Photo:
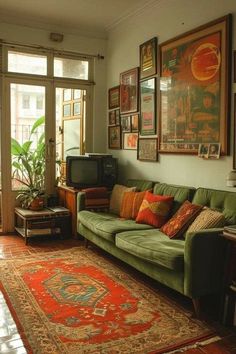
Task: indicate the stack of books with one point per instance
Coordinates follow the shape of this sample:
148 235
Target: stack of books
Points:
59 210
230 231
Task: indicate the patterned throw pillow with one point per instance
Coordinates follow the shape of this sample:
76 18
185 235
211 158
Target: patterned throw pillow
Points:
154 209
117 196
207 219
131 203
181 219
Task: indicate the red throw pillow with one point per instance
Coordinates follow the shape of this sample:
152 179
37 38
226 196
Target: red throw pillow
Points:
154 209
181 219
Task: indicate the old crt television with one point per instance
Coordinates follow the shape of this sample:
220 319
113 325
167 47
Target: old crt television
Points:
91 171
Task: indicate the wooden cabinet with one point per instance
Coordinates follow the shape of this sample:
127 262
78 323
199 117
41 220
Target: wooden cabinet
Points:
68 198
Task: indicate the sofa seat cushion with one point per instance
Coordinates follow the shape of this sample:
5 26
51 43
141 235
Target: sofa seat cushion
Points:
154 247
108 225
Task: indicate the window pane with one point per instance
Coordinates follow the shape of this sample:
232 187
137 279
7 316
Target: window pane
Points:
71 68
27 63
27 144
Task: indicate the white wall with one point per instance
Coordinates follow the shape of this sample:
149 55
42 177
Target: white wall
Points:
80 44
166 19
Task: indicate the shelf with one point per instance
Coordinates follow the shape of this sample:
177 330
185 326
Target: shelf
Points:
38 232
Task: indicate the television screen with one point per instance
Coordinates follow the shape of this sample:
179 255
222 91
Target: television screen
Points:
84 172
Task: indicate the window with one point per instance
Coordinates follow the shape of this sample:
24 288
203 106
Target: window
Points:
25 101
71 68
27 63
39 102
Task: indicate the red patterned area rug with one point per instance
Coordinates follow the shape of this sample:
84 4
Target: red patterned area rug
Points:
75 301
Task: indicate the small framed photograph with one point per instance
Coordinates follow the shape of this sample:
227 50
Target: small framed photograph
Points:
130 141
148 58
148 107
214 151
67 95
114 97
129 91
112 118
147 149
117 117
203 150
114 137
125 124
134 122
66 110
76 108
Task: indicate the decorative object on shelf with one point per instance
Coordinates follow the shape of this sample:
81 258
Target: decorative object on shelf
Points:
148 107
129 91
214 151
147 149
114 137
148 58
231 179
28 165
130 141
203 150
134 122
195 92
114 97
125 124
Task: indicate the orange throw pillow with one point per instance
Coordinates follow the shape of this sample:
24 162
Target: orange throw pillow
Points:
154 209
181 219
131 203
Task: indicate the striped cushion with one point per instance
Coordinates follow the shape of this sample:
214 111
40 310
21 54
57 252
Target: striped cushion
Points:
207 219
131 203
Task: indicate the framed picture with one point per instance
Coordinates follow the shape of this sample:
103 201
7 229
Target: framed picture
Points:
195 97
114 97
114 137
117 112
66 110
148 58
148 107
147 149
130 141
135 123
125 124
214 151
203 150
112 118
129 91
76 108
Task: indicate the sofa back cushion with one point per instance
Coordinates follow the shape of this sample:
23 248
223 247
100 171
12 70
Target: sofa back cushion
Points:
180 194
141 185
223 201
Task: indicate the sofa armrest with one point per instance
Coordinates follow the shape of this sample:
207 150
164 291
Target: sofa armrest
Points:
80 201
204 257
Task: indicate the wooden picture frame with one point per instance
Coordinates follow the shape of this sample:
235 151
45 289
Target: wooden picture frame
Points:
135 122
114 137
195 92
125 123
130 141
148 107
148 58
112 117
114 97
148 149
129 91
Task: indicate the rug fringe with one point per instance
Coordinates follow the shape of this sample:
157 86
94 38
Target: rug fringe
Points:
195 346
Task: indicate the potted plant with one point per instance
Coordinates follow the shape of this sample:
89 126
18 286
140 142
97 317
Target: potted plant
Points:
28 164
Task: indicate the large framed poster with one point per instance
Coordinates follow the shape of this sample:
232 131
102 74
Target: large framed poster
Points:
148 107
195 94
129 91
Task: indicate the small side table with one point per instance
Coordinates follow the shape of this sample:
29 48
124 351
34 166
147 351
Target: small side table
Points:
29 223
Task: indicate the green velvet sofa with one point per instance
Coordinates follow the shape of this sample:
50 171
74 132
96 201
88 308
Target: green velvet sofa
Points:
192 265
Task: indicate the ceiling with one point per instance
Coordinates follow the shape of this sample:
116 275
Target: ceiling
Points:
88 17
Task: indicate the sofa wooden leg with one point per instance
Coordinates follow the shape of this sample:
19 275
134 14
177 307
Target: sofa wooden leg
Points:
196 305
86 243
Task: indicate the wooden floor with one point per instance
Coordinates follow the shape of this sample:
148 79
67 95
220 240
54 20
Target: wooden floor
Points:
10 342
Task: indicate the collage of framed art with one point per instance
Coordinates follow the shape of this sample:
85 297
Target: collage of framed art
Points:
178 102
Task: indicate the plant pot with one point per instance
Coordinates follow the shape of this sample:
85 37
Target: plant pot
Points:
36 204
